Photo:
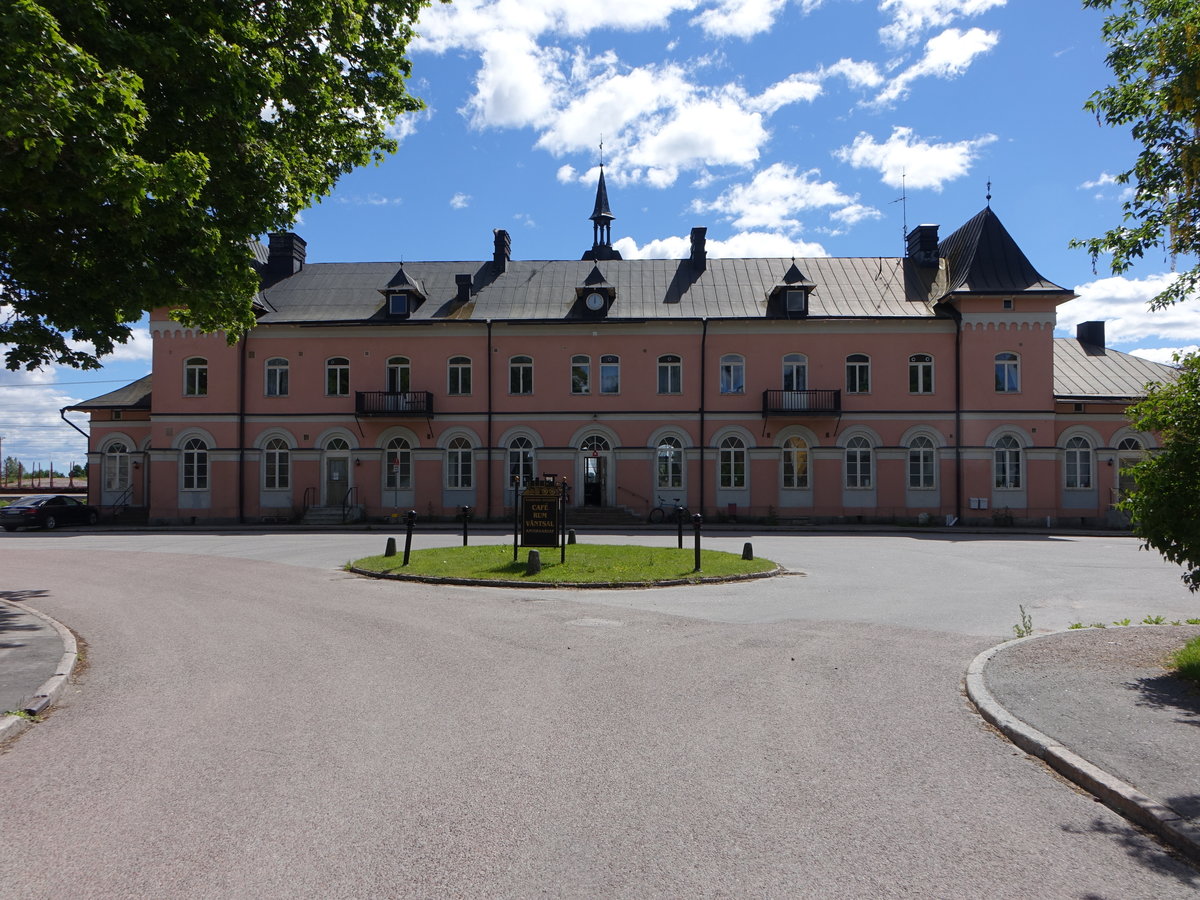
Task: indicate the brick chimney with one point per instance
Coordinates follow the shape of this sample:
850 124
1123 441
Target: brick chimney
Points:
923 245
285 255
503 250
699 257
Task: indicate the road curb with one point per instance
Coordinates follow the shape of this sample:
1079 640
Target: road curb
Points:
575 585
1118 795
47 695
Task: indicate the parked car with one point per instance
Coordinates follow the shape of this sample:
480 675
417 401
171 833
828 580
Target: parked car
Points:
47 511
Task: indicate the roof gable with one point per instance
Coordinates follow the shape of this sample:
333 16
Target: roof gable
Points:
983 258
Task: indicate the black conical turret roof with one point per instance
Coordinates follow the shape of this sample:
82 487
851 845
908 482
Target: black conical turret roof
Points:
983 258
601 211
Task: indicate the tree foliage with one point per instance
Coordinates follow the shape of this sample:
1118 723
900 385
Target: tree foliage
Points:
1165 507
1155 56
144 142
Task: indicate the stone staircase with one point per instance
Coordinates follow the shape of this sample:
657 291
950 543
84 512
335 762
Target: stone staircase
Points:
330 516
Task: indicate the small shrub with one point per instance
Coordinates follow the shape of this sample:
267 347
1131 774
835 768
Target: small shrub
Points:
1186 660
1097 625
1075 625
1192 621
1025 629
1154 620
1123 622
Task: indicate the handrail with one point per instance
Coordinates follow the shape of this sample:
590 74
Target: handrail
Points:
633 493
119 505
347 504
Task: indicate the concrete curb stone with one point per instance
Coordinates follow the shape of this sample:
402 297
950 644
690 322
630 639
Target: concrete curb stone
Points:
47 695
574 585
1112 791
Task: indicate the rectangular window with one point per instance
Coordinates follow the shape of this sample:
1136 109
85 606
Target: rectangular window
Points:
670 374
520 375
858 374
337 377
195 377
459 376
920 374
1008 373
610 375
581 374
277 378
733 375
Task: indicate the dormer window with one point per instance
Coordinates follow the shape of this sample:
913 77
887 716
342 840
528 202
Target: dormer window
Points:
595 296
796 302
398 305
789 298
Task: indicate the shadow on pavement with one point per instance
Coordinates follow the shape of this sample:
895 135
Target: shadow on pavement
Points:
1144 850
1169 692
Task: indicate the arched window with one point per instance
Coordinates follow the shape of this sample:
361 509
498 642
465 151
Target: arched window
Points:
859 461
732 462
1130 452
337 443
1078 463
520 375
459 376
397 459
520 461
276 379
337 377
795 463
1007 462
1008 373
610 374
858 373
195 377
670 374
277 465
920 374
581 374
399 375
669 470
195 465
921 463
595 444
116 467
733 374
460 464
795 372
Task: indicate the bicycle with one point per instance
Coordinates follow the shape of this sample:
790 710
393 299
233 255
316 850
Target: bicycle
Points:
667 513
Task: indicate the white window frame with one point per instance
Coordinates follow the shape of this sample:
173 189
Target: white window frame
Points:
860 464
398 375
195 377
458 376
1007 462
670 373
397 455
520 375
460 464
520 460
1078 464
920 373
337 376
668 464
922 463
795 372
858 373
194 465
1008 372
275 377
581 374
277 465
796 463
733 374
610 374
116 467
732 464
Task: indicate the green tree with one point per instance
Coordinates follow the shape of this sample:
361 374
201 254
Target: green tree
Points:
143 143
1165 506
1155 56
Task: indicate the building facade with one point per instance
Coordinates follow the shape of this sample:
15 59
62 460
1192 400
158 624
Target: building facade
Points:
928 387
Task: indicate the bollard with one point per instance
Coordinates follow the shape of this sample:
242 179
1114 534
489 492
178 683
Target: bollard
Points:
697 519
679 511
391 547
466 514
571 536
535 563
410 519
747 551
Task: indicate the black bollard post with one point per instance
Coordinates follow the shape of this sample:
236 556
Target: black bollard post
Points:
390 550
679 511
697 519
410 519
466 514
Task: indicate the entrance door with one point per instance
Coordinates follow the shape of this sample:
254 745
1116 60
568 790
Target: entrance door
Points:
337 479
595 470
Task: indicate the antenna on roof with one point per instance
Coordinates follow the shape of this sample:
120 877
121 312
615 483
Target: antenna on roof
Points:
903 199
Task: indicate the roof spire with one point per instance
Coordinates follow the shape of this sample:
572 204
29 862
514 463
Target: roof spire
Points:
988 196
602 218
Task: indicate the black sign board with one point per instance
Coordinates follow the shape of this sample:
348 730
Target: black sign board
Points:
540 510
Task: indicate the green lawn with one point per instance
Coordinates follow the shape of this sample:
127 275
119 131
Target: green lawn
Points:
586 564
1186 660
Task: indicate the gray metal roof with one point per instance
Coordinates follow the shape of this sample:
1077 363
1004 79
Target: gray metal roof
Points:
1088 372
644 289
132 396
983 258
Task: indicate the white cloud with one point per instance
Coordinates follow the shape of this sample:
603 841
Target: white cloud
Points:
773 197
946 55
1164 355
792 89
460 201
858 74
739 18
741 245
912 161
518 83
1102 181
912 17
1122 304
566 174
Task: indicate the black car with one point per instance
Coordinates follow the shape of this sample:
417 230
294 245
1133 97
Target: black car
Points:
47 511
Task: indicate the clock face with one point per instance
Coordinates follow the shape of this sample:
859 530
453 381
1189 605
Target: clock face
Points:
595 301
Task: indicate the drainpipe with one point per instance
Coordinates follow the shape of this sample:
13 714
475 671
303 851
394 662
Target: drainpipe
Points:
956 314
703 373
241 479
489 420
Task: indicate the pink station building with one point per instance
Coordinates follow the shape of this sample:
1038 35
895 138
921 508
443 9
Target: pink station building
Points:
917 389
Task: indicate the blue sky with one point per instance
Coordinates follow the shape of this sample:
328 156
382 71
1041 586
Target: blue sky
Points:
786 127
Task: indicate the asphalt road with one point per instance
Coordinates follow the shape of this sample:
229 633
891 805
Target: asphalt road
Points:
254 722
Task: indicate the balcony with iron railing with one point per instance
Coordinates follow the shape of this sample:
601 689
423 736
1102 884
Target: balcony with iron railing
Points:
393 403
801 403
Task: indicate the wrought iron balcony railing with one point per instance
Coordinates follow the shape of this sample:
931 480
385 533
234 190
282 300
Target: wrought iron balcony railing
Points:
801 403
393 403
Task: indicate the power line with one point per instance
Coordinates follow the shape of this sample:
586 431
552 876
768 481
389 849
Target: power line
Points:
52 383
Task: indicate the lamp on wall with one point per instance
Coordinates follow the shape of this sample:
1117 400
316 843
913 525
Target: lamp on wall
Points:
357 461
